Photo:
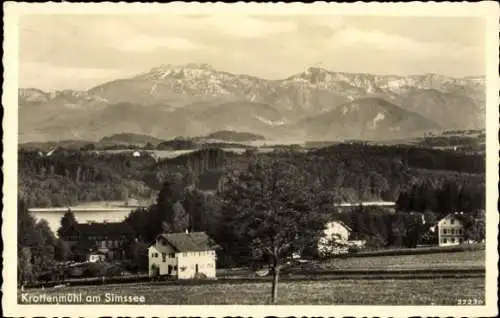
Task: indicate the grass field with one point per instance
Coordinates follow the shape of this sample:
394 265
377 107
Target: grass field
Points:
449 260
345 292
438 260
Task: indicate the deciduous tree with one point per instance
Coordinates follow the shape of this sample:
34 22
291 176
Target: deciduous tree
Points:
273 210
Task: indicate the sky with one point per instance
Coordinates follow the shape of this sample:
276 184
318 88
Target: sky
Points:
82 51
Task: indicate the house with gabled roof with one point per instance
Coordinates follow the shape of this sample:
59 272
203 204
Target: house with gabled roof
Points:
182 256
335 239
451 230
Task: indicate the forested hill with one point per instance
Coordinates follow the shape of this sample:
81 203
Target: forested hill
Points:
236 136
130 139
410 156
348 172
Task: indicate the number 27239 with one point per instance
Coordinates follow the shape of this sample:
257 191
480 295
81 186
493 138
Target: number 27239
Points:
469 301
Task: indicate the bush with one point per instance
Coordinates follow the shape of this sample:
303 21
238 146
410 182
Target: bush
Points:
200 276
113 271
354 249
93 270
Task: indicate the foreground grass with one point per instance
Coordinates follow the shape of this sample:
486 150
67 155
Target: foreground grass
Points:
345 292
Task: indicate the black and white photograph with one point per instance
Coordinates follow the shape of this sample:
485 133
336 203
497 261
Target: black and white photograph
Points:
273 155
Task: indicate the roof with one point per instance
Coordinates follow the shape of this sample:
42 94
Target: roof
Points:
459 217
341 223
104 229
189 242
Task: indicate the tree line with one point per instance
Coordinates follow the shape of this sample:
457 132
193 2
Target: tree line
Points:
355 172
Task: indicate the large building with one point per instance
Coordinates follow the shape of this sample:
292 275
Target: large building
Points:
182 256
450 230
110 240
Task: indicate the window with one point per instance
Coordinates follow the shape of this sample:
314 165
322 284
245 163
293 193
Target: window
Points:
452 221
164 257
175 267
171 255
445 241
452 240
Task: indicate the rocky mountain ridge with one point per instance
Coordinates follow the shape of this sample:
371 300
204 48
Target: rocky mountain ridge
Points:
196 99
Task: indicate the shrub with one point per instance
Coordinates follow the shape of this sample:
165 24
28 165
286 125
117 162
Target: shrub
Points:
93 270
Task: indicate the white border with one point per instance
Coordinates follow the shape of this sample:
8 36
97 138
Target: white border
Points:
489 10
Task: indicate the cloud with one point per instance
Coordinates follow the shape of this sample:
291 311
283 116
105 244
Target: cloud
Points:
143 42
351 37
248 27
381 41
74 50
328 21
47 77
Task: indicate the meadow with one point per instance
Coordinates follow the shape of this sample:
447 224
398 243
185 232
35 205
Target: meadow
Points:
325 292
463 259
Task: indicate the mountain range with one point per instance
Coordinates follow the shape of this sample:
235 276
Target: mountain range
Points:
196 99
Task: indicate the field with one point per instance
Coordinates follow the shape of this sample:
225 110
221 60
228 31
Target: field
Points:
333 292
469 259
463 259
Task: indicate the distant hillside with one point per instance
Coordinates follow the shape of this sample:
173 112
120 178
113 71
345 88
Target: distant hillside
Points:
236 136
130 139
46 146
368 118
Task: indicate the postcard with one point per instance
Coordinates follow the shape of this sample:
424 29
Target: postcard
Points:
250 159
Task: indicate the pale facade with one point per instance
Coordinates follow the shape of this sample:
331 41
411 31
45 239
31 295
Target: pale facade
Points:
183 256
335 238
96 257
450 231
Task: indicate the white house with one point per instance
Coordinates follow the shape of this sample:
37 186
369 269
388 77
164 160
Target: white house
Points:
335 239
450 230
96 257
182 255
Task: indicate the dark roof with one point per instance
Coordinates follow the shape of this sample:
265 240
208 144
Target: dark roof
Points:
104 229
189 242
